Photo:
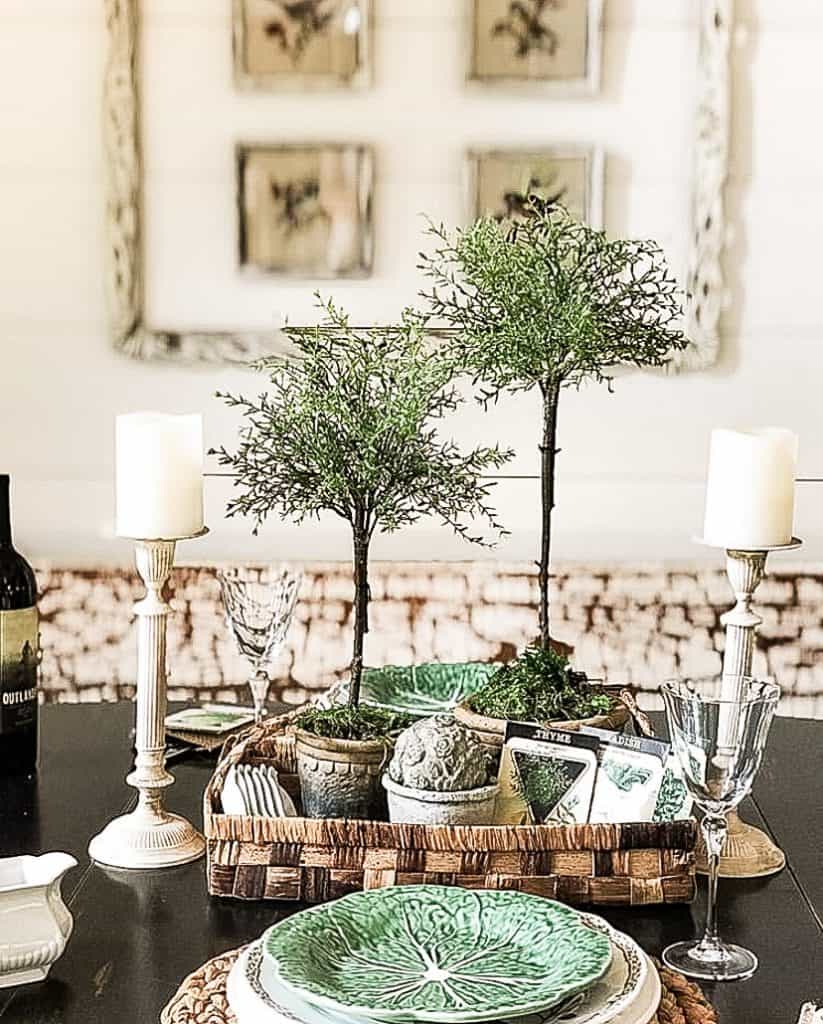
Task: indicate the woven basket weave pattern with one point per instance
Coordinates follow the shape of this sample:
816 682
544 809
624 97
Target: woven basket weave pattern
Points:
201 999
316 860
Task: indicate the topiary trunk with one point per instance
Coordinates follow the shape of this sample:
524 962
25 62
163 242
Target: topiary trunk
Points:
550 390
361 605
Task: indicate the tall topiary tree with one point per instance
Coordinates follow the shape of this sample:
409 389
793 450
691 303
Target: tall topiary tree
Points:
547 302
348 426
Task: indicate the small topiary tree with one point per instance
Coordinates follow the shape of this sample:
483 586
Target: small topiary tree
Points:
547 302
347 426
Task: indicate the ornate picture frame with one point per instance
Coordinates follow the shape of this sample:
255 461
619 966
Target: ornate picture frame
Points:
300 233
133 336
521 24
591 159
352 73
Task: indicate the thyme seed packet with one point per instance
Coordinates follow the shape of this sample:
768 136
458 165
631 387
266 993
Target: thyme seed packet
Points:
547 776
629 777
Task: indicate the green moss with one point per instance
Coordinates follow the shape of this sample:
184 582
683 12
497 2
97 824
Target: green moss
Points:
350 723
539 686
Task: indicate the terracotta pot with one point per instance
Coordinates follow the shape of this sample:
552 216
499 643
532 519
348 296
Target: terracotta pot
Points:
409 806
492 730
341 778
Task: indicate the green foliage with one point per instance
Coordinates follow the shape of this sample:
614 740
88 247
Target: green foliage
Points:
538 686
348 723
547 302
346 427
541 782
548 299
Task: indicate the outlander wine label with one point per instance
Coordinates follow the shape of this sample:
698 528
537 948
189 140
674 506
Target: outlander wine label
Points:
18 669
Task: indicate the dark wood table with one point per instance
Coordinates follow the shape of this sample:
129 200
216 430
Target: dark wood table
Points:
138 933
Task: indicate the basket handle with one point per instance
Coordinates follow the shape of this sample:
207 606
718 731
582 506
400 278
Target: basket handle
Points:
640 718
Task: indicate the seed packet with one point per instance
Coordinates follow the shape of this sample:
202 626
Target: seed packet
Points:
673 800
216 719
547 776
629 776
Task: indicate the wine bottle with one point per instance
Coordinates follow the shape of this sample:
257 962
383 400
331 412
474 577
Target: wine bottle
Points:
18 652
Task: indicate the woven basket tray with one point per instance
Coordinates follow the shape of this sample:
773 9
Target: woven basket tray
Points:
314 860
202 998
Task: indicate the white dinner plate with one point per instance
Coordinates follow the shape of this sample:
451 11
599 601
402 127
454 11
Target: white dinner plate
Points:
257 996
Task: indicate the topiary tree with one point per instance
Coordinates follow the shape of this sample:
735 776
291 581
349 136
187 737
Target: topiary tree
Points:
347 426
547 302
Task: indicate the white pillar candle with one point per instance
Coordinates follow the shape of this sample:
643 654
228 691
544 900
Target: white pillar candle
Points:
159 475
750 489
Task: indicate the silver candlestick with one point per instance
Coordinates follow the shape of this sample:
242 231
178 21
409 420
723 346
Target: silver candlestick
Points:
749 852
150 837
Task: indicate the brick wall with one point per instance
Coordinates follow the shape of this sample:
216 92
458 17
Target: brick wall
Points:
639 624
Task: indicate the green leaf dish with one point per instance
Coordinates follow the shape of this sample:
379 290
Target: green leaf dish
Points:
437 953
257 994
423 690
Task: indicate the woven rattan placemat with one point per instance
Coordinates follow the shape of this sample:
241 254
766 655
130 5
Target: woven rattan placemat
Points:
201 999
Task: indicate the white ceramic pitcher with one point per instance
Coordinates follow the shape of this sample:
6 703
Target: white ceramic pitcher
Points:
35 923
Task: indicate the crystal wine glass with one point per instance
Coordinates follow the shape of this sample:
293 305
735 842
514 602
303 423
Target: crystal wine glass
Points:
718 729
259 605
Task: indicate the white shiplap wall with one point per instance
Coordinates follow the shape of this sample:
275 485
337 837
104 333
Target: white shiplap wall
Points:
632 465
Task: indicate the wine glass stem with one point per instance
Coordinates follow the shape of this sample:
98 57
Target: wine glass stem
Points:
714 833
259 686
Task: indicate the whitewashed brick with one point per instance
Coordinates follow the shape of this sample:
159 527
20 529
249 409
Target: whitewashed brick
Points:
641 588
810 591
684 588
813 638
512 590
674 622
702 615
634 624
781 657
718 591
489 624
776 592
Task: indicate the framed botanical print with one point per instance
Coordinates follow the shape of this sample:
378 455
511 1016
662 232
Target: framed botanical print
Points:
302 44
500 181
202 268
305 210
554 43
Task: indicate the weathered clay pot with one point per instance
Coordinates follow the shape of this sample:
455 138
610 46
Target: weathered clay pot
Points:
435 807
492 730
341 778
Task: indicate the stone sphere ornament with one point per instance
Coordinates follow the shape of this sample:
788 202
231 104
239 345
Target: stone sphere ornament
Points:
440 754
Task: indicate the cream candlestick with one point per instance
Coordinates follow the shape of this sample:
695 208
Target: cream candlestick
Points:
749 512
748 852
150 836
